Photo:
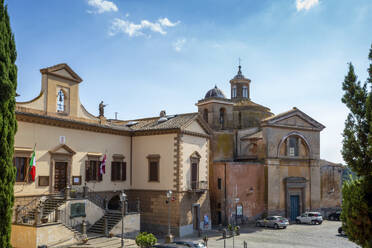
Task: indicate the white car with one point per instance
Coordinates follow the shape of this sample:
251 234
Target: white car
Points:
310 218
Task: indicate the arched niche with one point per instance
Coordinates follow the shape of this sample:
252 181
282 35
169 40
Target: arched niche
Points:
294 145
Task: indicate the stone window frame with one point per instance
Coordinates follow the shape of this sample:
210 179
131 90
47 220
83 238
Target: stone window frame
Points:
205 115
234 91
245 92
119 159
23 152
195 159
222 117
96 157
151 159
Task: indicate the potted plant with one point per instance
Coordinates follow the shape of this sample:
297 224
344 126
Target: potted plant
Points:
230 228
237 230
145 240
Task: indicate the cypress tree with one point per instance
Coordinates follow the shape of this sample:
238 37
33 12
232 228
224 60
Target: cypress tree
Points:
8 124
357 153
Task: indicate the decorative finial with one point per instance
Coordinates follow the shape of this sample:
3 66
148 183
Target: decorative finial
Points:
240 67
215 86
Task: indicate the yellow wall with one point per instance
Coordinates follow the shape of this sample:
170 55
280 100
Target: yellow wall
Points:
82 142
162 145
189 145
23 236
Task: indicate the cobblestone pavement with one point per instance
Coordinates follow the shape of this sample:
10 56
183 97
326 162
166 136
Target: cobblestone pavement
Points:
299 236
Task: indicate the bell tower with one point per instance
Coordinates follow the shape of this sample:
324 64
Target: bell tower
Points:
240 87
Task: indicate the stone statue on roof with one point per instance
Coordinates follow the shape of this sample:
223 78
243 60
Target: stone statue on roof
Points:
101 109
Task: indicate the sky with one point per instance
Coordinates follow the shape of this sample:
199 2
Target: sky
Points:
142 56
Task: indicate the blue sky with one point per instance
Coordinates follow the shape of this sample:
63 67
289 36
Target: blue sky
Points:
142 56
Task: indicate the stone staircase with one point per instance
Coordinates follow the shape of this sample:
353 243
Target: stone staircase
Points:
113 218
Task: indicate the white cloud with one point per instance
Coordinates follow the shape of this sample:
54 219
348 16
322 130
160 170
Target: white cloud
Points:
102 6
178 44
133 29
166 23
306 4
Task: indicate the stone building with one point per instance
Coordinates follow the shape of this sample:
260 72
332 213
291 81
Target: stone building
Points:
264 163
144 157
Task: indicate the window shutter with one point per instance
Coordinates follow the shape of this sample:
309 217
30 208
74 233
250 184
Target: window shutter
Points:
123 171
87 171
99 171
112 171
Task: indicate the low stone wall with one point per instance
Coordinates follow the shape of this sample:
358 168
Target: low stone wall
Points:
23 236
131 226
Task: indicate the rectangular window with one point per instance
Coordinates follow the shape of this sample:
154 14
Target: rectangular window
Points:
154 171
219 183
21 164
92 170
118 171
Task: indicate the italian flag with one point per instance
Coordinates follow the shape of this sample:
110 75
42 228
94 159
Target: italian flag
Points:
33 165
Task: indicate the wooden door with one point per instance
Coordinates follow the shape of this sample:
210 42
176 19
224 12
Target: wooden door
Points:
295 207
194 175
60 176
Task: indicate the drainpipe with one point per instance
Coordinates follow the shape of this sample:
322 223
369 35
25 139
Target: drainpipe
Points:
131 158
226 217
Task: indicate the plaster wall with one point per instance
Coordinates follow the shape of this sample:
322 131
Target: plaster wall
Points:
189 145
223 146
272 137
47 138
23 236
144 146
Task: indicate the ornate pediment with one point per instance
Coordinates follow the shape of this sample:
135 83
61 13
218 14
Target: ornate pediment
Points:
294 119
63 71
63 149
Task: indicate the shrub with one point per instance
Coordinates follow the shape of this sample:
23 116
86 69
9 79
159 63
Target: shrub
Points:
145 240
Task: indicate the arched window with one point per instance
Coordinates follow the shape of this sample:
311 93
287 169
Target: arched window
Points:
205 115
222 118
245 92
234 91
60 101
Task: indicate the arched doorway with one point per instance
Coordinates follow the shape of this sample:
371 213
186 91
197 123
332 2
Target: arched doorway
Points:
114 203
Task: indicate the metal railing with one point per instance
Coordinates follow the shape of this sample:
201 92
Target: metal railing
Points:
198 185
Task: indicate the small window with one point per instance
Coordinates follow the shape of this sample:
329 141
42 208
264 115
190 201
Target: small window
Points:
245 92
153 168
154 171
205 115
219 205
118 171
92 170
222 118
234 91
219 183
22 166
60 101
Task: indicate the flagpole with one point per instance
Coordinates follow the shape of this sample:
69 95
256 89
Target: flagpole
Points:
28 167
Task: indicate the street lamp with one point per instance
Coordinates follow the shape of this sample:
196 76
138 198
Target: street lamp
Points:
123 198
169 237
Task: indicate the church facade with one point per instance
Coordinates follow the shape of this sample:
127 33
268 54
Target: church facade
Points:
263 163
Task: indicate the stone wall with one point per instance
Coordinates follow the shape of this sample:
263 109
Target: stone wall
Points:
245 181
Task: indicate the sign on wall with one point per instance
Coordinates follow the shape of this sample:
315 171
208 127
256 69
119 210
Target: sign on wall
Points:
239 210
77 210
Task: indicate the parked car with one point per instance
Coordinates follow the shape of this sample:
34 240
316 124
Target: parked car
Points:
310 218
334 215
169 246
190 244
273 221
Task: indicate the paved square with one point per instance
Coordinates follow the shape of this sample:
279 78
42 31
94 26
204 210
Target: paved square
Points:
322 236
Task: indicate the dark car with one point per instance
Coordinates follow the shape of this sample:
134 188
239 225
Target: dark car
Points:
334 215
170 246
190 244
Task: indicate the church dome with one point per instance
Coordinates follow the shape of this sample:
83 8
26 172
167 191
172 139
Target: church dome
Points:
215 92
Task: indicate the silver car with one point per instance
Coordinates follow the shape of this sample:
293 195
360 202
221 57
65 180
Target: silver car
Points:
273 221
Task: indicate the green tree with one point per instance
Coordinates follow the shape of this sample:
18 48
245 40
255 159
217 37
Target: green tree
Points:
8 124
357 153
